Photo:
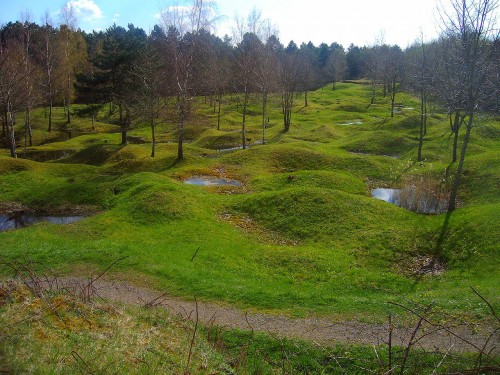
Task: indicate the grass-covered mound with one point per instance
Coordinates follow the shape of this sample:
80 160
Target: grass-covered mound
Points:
302 235
217 140
320 179
381 142
151 198
322 214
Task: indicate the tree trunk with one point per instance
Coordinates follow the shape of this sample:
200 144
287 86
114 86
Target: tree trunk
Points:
50 114
69 99
287 110
372 100
264 116
153 140
11 134
124 135
305 99
28 126
180 150
456 182
124 124
218 112
423 119
4 127
243 123
393 96
455 128
120 113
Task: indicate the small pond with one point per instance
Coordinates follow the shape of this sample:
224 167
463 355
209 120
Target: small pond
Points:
211 181
411 199
354 122
43 156
230 149
23 220
249 145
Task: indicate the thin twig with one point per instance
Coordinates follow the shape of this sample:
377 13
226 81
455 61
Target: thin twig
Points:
412 338
438 325
486 301
195 253
78 359
88 287
194 335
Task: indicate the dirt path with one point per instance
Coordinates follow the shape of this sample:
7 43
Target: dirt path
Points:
319 330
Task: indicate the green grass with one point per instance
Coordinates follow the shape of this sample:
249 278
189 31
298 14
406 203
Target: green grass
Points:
51 331
315 242
259 353
59 334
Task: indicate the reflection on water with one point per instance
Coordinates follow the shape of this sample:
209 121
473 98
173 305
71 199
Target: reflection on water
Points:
412 199
355 122
387 195
43 156
211 181
19 221
240 147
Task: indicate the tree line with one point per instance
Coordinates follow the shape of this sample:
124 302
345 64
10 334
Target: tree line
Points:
136 73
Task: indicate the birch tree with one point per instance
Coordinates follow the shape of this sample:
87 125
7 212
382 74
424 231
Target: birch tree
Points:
182 24
68 26
49 60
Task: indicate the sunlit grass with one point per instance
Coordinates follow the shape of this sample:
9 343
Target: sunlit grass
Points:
338 251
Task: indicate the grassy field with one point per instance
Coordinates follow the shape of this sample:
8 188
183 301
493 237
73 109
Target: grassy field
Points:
301 236
45 331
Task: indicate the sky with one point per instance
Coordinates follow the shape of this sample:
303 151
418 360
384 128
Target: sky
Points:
361 22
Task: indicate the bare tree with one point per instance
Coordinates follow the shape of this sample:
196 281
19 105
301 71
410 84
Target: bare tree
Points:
267 75
246 54
256 60
29 69
221 74
470 28
336 63
395 68
68 25
288 81
182 25
11 87
49 58
418 79
373 69
145 98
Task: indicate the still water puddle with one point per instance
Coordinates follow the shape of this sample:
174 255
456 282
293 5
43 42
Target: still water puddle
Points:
411 199
211 181
18 221
355 122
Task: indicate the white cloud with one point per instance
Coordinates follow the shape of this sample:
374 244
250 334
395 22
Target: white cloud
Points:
86 9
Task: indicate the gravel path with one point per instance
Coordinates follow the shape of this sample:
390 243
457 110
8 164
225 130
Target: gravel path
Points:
320 330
